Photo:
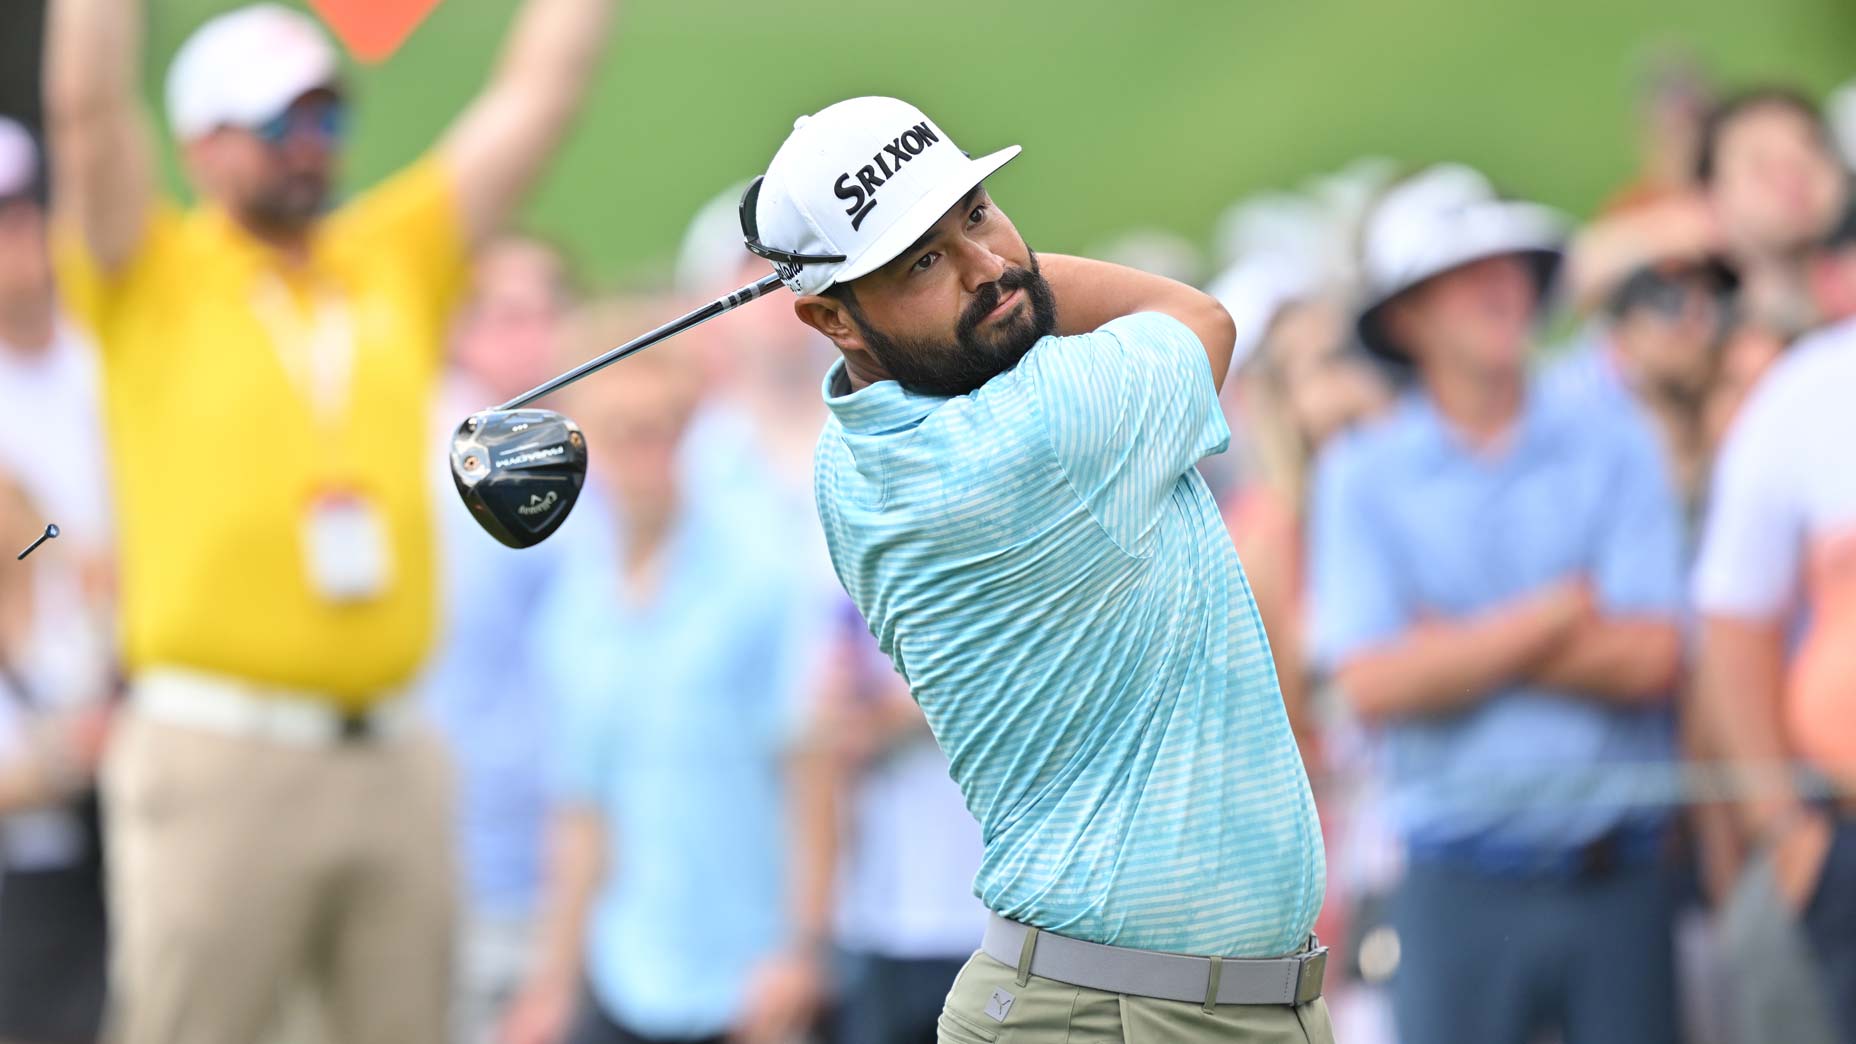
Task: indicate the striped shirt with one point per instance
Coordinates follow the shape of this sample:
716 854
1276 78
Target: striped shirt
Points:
1044 565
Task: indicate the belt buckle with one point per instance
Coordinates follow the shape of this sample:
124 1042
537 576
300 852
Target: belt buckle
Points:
354 728
1311 968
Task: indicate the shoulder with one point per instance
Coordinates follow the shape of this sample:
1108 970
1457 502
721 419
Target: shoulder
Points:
1813 374
1144 338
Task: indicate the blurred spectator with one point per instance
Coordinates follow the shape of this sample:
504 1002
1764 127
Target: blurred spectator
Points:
479 687
1833 270
48 384
1495 577
683 887
1658 350
1673 102
1297 385
906 915
904 909
1776 588
1775 187
276 809
762 366
54 680
54 651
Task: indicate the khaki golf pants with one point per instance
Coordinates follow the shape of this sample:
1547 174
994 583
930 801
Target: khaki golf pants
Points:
243 869
991 1004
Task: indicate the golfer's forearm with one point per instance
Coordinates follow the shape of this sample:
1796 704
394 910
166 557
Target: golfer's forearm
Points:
1091 293
1739 682
502 142
100 149
1619 660
1441 667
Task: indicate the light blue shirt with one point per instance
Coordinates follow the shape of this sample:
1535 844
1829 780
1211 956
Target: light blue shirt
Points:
675 716
1409 522
1043 564
478 691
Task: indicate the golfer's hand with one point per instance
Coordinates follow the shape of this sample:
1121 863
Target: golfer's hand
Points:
784 994
539 1015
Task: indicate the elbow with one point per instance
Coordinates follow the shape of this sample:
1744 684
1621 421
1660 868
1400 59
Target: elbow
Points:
1218 329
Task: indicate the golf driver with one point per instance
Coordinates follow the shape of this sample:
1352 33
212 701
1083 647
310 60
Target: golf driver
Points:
520 470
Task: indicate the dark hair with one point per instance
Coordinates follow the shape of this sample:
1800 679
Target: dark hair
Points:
1842 235
1753 100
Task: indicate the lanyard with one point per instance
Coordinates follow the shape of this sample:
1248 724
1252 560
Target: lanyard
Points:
317 354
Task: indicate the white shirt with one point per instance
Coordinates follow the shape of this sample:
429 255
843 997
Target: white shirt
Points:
55 443
1784 489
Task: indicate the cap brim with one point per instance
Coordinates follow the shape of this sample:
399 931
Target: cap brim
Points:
922 216
1526 231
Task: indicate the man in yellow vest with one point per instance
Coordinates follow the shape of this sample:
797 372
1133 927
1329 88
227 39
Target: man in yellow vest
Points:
275 811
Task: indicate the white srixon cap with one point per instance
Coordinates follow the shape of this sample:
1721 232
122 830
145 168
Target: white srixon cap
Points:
860 180
244 67
19 159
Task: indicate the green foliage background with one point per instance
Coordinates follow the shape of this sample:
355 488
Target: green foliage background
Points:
1131 113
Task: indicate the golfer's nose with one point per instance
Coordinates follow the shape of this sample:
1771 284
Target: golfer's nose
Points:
979 265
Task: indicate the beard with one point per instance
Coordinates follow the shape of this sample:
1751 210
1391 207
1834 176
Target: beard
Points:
975 356
288 204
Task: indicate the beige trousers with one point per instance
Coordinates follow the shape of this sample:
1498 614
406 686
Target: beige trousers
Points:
989 1005
243 869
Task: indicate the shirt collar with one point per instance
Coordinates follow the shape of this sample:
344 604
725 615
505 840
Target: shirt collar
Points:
874 408
1532 428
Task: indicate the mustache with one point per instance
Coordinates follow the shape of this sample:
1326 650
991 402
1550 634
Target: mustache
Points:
987 297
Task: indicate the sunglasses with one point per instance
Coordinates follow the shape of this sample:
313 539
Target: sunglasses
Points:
327 120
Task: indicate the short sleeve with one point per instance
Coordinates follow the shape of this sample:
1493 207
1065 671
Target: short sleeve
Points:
414 221
93 296
1750 553
1639 566
1356 596
1130 409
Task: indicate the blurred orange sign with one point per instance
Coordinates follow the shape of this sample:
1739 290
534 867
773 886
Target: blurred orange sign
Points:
373 29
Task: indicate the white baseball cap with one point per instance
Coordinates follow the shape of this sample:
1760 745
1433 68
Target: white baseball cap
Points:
245 67
19 159
852 187
1442 219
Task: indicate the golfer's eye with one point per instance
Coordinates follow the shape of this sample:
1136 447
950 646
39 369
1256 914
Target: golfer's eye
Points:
924 263
978 215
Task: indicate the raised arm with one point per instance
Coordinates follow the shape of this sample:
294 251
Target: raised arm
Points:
1091 293
500 144
101 148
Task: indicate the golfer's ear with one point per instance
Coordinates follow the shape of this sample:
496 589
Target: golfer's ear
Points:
831 318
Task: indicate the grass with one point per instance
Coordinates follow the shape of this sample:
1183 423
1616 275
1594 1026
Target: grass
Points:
1139 113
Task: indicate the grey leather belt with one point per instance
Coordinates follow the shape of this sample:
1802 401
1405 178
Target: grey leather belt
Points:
1295 979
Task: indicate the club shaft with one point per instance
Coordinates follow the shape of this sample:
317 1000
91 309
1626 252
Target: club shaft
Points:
687 321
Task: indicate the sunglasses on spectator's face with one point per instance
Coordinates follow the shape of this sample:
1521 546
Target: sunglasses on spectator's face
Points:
324 118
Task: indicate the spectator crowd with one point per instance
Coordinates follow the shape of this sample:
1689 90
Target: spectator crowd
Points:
1548 523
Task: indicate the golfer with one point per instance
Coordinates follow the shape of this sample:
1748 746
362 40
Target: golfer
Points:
1007 486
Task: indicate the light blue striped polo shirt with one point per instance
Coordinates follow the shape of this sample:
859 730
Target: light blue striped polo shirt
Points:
1046 568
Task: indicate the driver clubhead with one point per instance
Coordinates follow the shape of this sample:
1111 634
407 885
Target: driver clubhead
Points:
519 472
